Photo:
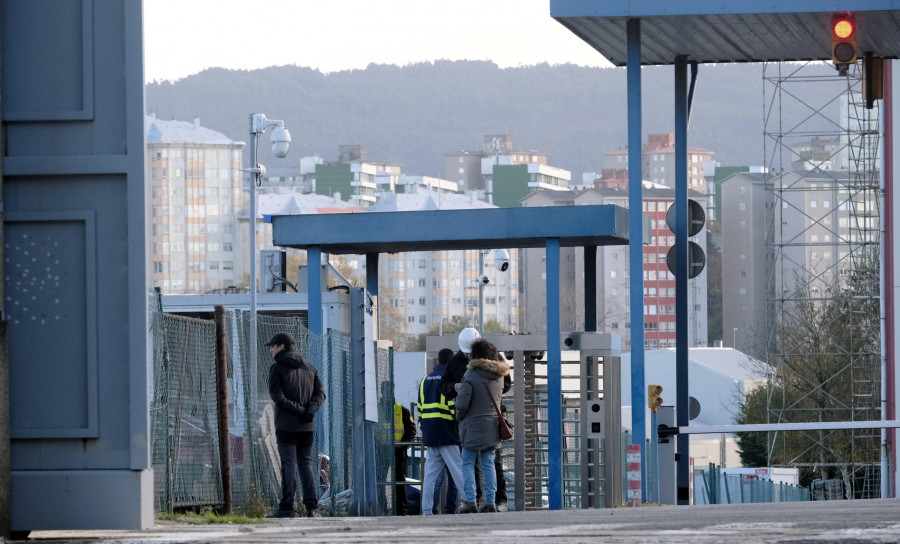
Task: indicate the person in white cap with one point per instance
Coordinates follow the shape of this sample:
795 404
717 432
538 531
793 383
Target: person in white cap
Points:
458 364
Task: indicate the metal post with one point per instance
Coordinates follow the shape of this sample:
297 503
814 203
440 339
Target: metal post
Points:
590 288
519 417
314 297
254 179
554 379
682 400
222 407
653 491
372 286
887 279
635 242
481 253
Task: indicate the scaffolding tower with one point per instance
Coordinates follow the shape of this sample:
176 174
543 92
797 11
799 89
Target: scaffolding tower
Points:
823 236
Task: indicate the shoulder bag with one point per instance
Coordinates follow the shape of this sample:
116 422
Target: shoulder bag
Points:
505 427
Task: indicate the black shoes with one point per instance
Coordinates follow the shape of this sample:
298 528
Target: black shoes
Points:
468 508
283 514
488 508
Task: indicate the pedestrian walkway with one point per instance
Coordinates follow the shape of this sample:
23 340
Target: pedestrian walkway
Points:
832 521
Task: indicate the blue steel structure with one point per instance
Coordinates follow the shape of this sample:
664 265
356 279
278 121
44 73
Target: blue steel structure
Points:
370 234
641 32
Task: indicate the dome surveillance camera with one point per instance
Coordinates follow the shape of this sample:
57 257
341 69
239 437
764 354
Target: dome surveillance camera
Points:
501 260
484 279
281 141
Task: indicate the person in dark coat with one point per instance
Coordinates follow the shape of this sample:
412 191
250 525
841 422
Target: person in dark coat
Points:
457 364
480 389
297 392
455 369
440 435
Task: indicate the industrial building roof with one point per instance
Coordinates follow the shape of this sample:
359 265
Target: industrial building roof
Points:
159 131
727 31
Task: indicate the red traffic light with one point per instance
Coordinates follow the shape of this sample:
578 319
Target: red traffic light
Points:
843 40
843 27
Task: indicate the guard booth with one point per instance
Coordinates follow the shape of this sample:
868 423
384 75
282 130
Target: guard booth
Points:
591 417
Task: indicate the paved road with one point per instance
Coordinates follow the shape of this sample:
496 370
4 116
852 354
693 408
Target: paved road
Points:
828 521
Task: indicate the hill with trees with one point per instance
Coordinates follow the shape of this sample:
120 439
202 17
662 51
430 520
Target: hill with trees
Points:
414 114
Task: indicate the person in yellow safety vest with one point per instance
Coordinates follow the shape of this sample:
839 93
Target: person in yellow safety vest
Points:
440 436
404 431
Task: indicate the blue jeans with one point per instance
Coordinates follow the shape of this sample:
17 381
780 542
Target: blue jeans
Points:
486 461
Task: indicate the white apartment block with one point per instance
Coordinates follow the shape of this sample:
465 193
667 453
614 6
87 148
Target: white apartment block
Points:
195 183
431 287
813 226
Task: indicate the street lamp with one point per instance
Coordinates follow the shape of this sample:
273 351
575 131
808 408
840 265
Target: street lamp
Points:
281 141
734 338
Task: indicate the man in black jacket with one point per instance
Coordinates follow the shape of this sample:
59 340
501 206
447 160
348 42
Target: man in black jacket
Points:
298 394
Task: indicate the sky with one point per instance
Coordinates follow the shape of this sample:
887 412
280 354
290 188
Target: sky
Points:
184 37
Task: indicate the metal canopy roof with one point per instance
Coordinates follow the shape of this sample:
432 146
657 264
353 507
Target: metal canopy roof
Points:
394 232
729 31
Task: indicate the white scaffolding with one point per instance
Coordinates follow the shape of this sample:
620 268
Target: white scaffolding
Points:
823 238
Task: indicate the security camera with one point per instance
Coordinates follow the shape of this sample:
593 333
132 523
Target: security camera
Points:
501 260
281 141
484 279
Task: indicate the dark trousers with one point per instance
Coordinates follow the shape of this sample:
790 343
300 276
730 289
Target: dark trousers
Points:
500 496
400 476
295 450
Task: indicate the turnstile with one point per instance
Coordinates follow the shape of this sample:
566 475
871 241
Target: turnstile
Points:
591 417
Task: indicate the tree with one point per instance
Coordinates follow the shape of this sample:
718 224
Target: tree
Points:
752 447
713 288
823 367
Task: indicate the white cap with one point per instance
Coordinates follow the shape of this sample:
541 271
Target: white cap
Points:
466 337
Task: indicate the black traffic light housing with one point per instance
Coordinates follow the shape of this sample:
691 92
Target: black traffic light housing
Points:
843 41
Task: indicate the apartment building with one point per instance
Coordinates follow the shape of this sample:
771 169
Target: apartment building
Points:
431 287
354 177
774 245
613 275
473 170
195 184
658 162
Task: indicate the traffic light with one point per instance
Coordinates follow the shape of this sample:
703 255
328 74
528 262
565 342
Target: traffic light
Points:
696 255
654 401
843 41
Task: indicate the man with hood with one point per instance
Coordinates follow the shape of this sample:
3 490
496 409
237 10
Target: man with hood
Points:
297 392
480 393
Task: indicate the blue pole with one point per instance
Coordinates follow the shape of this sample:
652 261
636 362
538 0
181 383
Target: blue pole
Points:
682 414
635 244
372 284
654 456
314 297
554 379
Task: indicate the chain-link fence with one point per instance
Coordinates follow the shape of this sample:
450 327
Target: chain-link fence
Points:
184 416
